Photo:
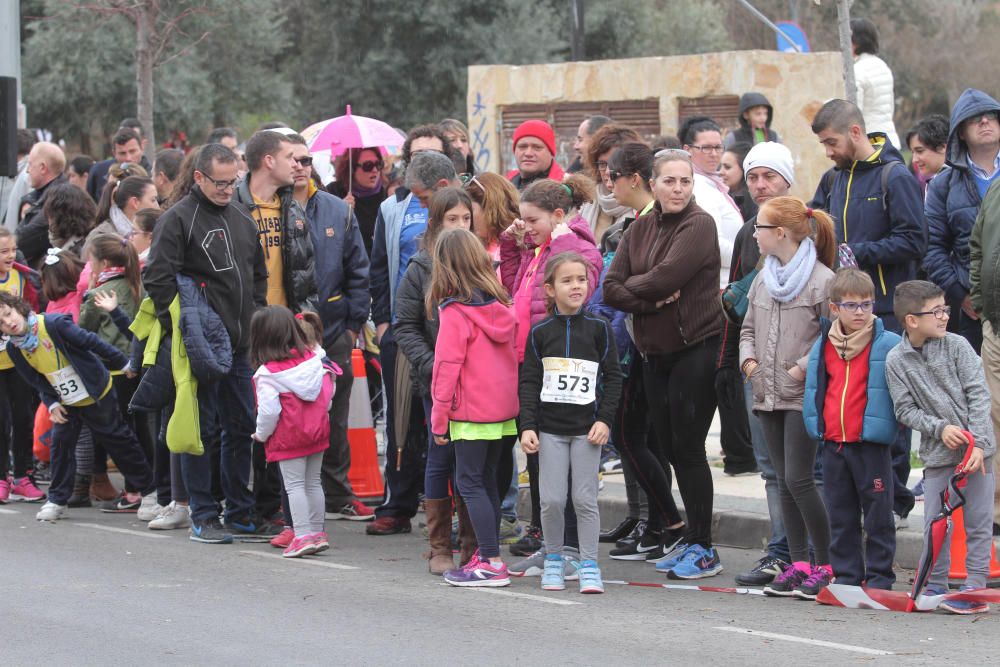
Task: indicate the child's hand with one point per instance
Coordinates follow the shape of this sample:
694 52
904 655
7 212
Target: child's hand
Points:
440 440
106 301
57 413
975 461
953 437
598 434
797 373
529 442
516 228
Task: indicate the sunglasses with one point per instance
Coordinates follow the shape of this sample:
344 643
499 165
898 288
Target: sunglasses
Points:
371 165
304 161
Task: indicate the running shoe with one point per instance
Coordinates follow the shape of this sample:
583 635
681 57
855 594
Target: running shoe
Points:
534 565
4 491
784 584
479 573
210 532
388 525
149 509
673 557
247 529
126 503
50 512
818 579
612 466
510 532
964 606
697 563
764 572
172 517
552 575
24 489
353 511
530 542
650 542
619 531
321 540
590 577
634 535
283 539
668 542
303 545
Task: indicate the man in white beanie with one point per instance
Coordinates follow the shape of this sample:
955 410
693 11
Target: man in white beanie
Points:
769 172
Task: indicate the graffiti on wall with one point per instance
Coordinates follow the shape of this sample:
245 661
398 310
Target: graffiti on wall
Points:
480 138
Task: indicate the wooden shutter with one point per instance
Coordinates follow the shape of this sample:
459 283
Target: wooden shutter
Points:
723 109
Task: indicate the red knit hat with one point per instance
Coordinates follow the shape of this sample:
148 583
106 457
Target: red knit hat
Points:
538 129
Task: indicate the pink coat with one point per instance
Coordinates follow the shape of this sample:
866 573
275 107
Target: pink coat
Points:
293 404
475 365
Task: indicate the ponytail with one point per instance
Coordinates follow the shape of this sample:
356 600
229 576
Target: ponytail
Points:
548 195
801 221
821 225
117 251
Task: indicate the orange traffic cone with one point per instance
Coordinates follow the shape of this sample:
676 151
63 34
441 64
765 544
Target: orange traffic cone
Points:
958 552
365 474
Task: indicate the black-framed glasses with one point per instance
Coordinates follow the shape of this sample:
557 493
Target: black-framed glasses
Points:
306 161
941 312
856 306
221 186
756 226
371 165
718 148
602 166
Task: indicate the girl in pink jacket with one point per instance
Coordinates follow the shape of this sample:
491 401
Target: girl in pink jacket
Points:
294 388
474 389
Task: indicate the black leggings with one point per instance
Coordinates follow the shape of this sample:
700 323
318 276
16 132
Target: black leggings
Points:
680 390
17 416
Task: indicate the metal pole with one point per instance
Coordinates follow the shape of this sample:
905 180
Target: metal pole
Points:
577 46
10 49
770 24
847 49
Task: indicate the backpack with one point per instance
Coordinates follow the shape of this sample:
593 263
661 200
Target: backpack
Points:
886 170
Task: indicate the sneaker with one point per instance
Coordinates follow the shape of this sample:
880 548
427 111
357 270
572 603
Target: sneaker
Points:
354 511
619 531
571 563
612 466
698 563
784 584
600 480
552 575
672 557
283 539
741 471
818 579
210 532
764 572
634 536
24 489
964 606
590 577
532 566
50 512
523 480
479 573
126 503
42 473
670 540
149 509
4 491
172 517
510 532
247 529
648 543
303 545
530 542
321 540
388 525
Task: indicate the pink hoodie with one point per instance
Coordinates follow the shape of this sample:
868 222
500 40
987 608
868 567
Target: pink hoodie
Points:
293 403
475 365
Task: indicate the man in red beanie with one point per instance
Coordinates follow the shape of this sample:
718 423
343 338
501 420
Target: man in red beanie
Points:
534 151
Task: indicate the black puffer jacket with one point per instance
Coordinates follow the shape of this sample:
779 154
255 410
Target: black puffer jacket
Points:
744 133
415 334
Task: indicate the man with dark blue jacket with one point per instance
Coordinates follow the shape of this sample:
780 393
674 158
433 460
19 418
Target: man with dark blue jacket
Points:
953 198
878 212
341 269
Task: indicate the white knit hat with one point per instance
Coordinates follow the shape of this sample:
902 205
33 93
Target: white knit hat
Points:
774 156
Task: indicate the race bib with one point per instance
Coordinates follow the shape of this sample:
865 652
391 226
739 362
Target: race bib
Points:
569 381
68 385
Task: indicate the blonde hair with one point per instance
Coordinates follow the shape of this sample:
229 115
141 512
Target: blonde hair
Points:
462 268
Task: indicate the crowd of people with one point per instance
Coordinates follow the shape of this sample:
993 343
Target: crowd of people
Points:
194 319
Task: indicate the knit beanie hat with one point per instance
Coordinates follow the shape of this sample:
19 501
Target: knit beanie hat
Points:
774 156
538 129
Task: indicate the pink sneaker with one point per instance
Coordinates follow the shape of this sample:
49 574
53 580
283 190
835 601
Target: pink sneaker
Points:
4 491
283 539
300 546
322 542
25 489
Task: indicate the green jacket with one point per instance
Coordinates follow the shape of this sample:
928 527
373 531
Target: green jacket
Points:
99 321
183 429
984 255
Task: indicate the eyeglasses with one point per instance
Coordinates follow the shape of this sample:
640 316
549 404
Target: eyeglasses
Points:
137 232
304 161
756 226
856 307
602 166
709 149
989 115
371 165
221 186
941 312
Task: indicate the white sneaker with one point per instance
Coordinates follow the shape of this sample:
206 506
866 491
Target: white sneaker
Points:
173 516
149 509
50 512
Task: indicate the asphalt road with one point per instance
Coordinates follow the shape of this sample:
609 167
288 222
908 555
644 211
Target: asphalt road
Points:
96 589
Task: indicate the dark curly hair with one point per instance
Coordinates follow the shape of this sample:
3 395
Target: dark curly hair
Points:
70 211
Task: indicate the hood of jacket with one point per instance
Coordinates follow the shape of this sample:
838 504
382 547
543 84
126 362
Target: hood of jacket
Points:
970 103
495 320
750 100
885 152
301 375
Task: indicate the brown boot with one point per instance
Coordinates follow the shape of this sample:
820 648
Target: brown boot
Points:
101 488
466 533
439 534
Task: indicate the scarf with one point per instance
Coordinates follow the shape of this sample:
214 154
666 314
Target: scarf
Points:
358 191
850 345
29 341
715 177
784 283
609 205
123 226
109 273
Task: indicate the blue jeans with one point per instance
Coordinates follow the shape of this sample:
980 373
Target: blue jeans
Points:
777 547
230 401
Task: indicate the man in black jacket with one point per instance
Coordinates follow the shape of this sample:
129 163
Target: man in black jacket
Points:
214 241
46 163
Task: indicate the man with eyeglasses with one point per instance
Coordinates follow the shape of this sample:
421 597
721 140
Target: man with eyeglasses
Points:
213 240
535 154
954 194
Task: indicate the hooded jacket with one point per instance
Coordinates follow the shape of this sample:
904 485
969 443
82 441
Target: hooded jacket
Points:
416 334
217 247
100 322
888 238
874 83
660 254
293 403
385 254
475 364
952 203
744 133
297 253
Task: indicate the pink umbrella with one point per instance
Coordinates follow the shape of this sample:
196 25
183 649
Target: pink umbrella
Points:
348 131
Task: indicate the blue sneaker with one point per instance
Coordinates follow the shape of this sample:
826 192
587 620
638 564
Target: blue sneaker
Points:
697 563
552 575
964 606
672 558
210 532
590 577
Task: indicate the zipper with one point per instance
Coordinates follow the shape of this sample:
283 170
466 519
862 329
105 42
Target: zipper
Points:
847 199
881 279
843 401
568 326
